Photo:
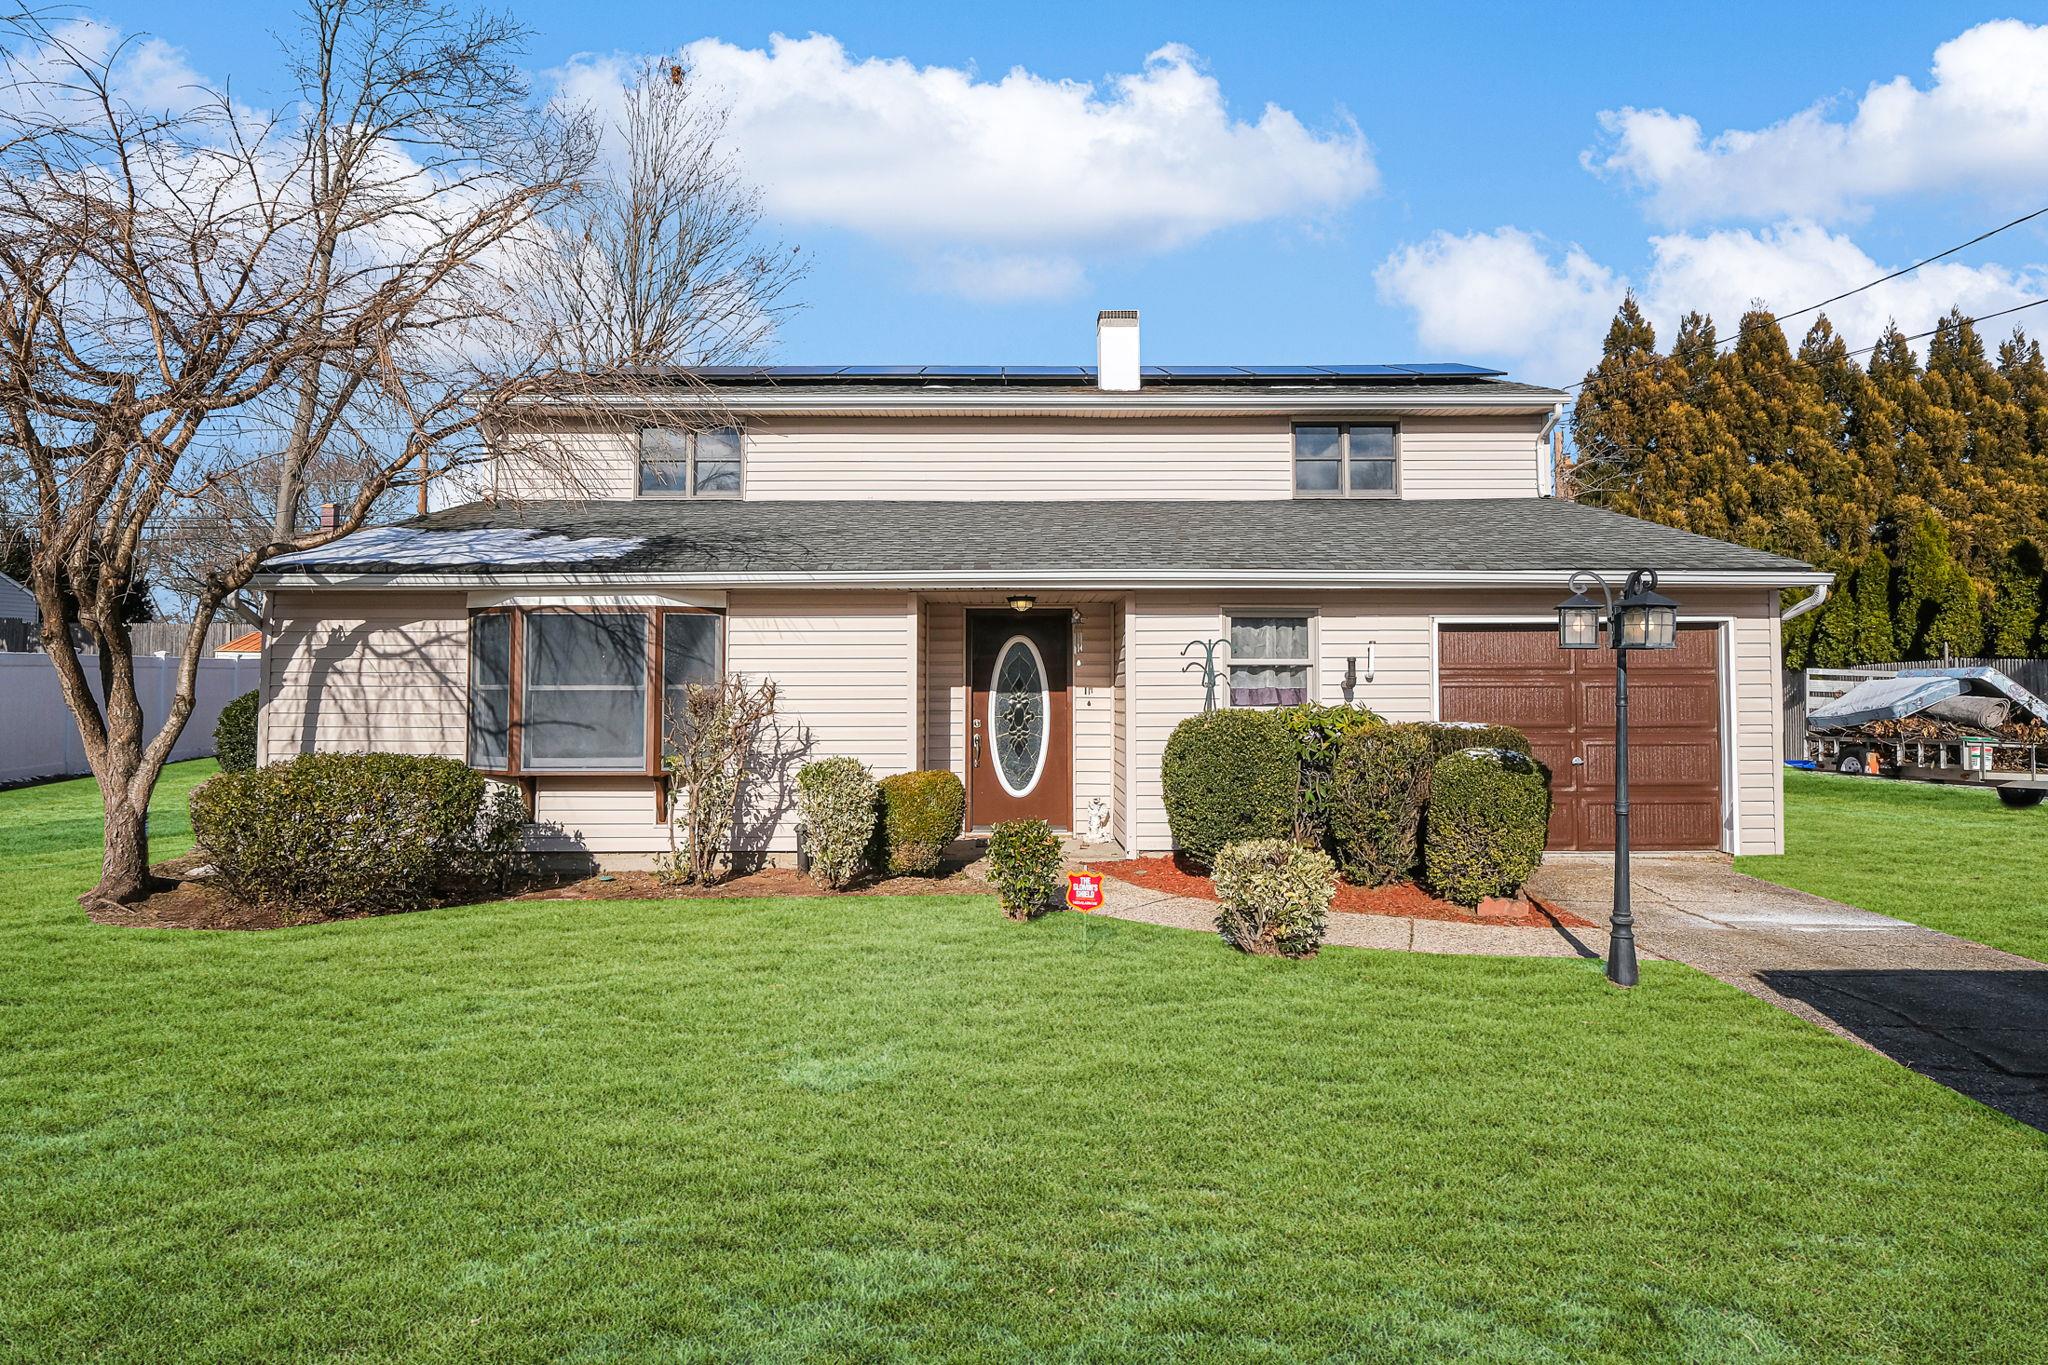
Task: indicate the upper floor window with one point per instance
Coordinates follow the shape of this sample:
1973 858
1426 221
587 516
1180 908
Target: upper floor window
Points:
690 464
1357 460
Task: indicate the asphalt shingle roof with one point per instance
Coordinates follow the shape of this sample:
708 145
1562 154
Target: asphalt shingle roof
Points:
1319 536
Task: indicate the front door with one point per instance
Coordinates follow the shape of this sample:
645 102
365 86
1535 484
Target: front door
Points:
1020 730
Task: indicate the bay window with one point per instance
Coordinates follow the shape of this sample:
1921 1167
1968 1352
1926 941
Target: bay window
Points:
582 690
1270 660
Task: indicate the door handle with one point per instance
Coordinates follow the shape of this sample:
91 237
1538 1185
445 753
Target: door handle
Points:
1576 763
977 749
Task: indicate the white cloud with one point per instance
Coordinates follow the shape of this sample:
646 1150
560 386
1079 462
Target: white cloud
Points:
1511 296
1981 126
1026 176
1502 294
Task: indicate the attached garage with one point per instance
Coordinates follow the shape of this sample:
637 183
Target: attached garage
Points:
1563 699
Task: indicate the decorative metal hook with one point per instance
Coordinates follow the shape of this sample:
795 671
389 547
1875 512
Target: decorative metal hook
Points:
1206 666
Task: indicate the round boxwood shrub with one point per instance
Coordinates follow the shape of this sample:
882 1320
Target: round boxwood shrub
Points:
921 814
1274 896
1024 864
1228 775
326 834
234 734
1489 811
836 800
1376 795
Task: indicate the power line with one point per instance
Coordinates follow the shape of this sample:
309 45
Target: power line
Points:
1780 318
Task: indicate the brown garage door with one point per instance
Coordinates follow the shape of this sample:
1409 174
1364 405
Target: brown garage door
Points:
1563 699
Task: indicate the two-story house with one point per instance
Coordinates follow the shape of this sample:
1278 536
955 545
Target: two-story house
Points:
1018 573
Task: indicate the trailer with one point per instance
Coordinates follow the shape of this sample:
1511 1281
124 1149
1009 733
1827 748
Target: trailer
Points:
1956 726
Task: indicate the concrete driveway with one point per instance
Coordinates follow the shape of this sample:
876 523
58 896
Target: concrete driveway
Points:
1971 1017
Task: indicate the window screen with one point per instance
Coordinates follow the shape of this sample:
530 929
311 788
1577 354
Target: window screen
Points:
584 692
490 690
689 656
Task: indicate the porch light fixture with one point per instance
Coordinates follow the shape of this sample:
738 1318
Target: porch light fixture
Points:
1022 601
1643 618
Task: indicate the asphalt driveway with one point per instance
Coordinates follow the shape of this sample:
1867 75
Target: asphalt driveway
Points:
1971 1017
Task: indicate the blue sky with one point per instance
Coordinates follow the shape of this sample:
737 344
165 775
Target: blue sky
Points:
1437 182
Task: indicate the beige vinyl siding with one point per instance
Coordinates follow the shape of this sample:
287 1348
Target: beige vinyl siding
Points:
1400 629
610 816
1094 697
1471 457
1759 725
842 663
1014 458
362 671
1120 732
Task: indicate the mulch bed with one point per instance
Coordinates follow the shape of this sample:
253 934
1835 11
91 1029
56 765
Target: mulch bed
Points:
769 881
195 905
1173 875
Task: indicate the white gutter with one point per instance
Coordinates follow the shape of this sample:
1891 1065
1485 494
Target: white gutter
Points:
1101 579
1025 401
1806 604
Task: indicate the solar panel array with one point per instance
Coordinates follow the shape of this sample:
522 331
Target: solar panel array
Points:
1076 374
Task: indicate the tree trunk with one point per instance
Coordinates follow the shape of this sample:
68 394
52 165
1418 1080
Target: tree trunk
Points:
124 863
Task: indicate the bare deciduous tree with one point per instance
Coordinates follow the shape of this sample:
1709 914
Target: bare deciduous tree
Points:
208 313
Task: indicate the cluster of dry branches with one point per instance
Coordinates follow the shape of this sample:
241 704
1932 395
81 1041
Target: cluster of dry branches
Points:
213 316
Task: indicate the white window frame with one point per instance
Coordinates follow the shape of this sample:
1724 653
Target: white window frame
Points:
689 488
1311 615
1343 488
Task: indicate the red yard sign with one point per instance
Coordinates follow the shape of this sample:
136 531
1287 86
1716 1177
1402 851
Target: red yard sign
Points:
1084 890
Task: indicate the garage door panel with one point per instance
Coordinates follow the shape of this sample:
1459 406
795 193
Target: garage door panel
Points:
1652 702
1676 822
1564 701
1687 762
1523 705
1521 651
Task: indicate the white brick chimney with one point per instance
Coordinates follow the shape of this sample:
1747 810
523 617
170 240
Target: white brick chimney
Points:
1116 349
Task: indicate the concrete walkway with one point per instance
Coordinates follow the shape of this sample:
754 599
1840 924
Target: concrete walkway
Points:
1122 900
1971 1017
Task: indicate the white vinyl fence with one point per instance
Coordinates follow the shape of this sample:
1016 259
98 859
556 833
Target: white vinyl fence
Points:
39 738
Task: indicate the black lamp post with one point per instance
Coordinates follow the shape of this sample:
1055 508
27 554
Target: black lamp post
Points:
1642 619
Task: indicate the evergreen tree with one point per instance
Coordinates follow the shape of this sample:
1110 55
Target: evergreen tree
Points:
2012 624
1921 584
1870 589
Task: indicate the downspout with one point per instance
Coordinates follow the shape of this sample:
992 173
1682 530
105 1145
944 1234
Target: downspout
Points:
1547 454
1804 604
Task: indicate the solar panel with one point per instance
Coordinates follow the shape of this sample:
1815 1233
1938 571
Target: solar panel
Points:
803 371
1450 369
1062 371
881 371
962 371
1204 371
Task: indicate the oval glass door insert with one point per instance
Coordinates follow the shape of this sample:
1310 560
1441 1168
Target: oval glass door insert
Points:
1018 708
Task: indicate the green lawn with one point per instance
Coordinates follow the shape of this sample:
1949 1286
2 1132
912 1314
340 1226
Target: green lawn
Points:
1950 858
903 1129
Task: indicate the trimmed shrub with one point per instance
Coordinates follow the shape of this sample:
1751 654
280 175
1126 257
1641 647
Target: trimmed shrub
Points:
921 814
1228 775
234 734
1317 730
1377 791
836 798
1274 895
1451 736
1489 811
1024 864
346 833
